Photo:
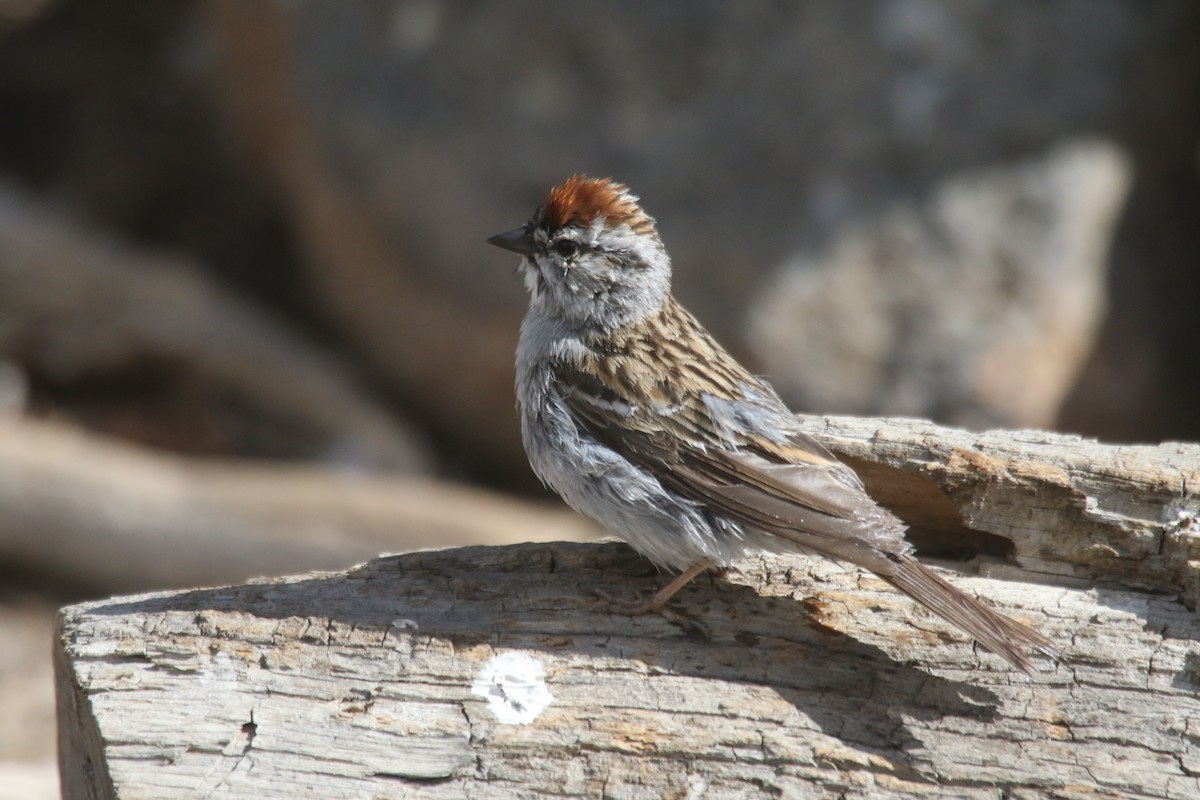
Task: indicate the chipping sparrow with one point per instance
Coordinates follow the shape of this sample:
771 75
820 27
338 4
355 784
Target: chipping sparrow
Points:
635 415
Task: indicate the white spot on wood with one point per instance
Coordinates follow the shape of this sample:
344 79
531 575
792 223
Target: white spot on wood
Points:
514 684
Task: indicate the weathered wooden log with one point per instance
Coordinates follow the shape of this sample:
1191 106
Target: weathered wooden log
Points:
1055 504
495 672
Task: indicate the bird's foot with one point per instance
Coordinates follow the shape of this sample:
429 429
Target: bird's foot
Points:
648 603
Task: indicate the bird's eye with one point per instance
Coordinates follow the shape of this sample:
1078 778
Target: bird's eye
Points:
566 248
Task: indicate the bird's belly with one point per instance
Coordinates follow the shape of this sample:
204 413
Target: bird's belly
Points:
602 484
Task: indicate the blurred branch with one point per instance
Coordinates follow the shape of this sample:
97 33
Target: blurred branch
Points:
79 302
450 358
108 517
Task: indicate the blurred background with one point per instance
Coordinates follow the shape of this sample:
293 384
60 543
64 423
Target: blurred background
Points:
249 325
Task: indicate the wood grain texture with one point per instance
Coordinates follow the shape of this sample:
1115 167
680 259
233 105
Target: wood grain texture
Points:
816 680
1059 505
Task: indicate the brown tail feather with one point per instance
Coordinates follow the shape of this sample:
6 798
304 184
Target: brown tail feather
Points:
1005 637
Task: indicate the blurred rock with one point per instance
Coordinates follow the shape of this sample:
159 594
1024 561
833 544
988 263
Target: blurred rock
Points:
978 306
14 390
26 730
33 780
27 767
17 12
401 133
344 161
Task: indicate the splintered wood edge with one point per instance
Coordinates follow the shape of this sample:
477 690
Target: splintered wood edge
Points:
494 672
1062 506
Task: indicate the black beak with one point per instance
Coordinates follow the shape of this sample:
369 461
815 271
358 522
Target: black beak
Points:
518 240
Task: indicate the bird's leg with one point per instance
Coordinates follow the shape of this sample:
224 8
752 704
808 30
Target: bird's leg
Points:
657 603
659 600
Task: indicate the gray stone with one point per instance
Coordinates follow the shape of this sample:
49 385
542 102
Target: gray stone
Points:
978 306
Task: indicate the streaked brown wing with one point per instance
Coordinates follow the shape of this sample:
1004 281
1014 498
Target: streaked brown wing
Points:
795 490
661 373
797 493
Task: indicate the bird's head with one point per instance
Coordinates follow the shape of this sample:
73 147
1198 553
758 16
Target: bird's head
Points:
591 256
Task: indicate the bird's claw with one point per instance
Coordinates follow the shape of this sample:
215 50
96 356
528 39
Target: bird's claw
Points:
648 603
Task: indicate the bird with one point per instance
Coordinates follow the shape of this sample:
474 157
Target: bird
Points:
638 418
